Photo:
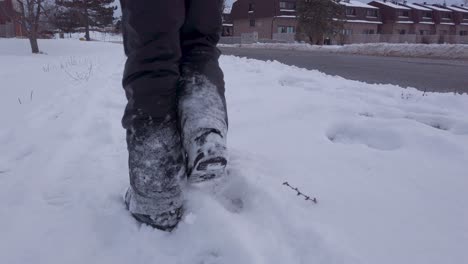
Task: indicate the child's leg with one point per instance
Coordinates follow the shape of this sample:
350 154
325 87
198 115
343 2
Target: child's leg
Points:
202 105
156 162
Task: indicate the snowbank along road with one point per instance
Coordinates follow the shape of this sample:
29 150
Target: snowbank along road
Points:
436 75
387 165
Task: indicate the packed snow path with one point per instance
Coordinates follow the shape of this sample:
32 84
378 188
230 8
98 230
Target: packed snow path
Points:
388 166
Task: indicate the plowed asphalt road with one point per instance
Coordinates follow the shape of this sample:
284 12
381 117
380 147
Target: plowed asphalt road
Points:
434 75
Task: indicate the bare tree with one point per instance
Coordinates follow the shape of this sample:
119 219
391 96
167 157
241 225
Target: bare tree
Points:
27 13
465 2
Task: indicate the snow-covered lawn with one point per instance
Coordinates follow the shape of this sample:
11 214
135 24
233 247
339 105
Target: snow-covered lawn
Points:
94 35
442 51
388 166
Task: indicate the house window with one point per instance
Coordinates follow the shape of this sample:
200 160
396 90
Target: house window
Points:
287 5
465 16
424 32
252 22
368 31
403 13
251 7
401 31
347 32
446 15
285 29
427 15
371 13
464 33
443 32
350 11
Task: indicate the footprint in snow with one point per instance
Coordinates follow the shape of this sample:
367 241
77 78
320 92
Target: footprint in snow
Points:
381 138
457 127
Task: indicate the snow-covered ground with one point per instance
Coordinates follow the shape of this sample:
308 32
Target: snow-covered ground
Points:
443 51
387 165
94 35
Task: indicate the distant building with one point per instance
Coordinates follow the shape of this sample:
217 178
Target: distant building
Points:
460 17
443 18
361 18
8 26
396 18
228 27
377 21
272 19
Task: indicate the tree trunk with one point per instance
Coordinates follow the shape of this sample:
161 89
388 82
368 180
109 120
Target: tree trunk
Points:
34 45
87 37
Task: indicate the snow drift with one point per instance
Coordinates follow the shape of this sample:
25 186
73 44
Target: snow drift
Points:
441 51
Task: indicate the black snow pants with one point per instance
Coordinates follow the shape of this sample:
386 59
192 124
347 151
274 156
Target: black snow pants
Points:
175 91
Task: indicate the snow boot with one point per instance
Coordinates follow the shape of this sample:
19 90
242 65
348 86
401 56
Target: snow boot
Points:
210 158
166 221
157 171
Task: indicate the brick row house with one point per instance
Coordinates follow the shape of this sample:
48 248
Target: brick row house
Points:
228 27
396 19
377 21
265 17
422 22
460 18
361 23
272 18
8 27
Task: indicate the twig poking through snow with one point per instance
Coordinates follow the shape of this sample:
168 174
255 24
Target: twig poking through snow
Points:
299 193
19 100
31 96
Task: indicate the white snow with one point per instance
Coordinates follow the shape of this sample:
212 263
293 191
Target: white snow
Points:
354 3
405 22
437 8
388 166
362 21
227 9
392 5
94 35
417 7
286 16
447 51
457 9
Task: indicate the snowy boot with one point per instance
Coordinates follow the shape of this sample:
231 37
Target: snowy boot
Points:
210 157
203 122
156 166
165 221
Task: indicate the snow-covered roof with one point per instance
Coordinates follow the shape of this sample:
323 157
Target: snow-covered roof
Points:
286 16
405 22
354 3
458 9
437 8
392 5
417 7
363 21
